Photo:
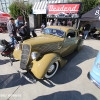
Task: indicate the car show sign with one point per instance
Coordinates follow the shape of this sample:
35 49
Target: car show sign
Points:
69 10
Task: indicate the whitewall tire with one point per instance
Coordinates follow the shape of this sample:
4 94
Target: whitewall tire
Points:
52 70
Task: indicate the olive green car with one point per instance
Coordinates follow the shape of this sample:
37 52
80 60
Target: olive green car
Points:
43 55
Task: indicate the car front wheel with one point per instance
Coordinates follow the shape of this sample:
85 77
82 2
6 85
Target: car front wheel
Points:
52 70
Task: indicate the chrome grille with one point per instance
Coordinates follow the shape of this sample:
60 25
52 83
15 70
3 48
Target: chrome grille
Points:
25 56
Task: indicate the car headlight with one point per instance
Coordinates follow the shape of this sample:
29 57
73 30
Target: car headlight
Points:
98 65
34 55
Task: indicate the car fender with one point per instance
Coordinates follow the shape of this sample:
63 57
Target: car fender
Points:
17 54
39 68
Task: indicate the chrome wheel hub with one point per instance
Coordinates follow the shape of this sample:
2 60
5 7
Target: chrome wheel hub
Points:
51 68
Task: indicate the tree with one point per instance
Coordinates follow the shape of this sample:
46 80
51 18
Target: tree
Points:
19 8
87 5
14 10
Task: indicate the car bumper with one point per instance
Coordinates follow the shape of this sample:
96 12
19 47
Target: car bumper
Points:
93 80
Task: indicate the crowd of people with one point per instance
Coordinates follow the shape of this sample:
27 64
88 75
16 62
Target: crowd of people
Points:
57 22
23 29
15 29
86 30
60 22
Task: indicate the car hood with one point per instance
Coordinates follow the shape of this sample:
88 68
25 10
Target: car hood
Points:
43 39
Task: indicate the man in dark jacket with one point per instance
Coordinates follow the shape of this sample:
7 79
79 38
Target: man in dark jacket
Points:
86 30
12 30
24 32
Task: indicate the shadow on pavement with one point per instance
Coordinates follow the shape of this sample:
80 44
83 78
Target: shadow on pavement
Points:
67 95
63 76
2 62
68 73
12 80
71 71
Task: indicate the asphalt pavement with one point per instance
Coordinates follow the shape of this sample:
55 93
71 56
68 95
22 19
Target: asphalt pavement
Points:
69 83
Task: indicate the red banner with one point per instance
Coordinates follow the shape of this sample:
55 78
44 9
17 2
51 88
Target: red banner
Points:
63 8
4 19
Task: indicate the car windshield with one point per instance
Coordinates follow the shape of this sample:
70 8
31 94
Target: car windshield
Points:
51 31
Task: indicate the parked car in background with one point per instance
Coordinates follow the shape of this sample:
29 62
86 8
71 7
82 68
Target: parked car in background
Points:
94 74
43 55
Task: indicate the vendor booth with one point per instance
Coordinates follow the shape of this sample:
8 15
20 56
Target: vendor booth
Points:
67 12
44 10
39 12
93 17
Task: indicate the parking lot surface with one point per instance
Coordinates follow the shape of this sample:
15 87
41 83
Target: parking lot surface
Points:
69 83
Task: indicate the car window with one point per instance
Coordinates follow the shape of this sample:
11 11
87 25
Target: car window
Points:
71 34
47 31
51 31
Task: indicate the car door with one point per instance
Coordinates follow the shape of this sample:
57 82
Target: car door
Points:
69 44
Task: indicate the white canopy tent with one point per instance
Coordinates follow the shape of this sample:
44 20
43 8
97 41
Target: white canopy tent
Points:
4 17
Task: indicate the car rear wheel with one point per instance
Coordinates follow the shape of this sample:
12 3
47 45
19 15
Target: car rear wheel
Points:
52 70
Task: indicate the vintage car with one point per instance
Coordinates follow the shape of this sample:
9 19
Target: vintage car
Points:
43 55
94 74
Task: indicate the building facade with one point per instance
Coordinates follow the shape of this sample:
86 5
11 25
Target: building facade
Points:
4 4
39 9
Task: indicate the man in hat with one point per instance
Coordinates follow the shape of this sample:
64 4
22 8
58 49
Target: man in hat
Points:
12 30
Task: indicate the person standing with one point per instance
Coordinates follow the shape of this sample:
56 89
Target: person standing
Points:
16 24
81 30
12 31
55 22
86 30
42 27
51 23
63 23
24 32
48 22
